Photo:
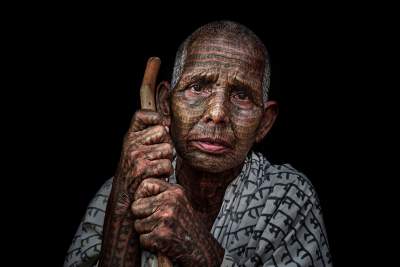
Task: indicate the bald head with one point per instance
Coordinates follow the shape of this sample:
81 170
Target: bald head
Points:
223 38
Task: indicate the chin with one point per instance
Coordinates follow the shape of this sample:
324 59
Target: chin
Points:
210 162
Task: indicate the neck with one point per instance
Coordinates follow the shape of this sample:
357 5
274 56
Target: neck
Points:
205 189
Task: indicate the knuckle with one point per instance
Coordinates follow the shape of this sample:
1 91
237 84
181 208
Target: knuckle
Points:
134 211
139 169
163 233
145 183
164 163
159 154
135 154
130 139
137 117
170 169
168 148
127 140
179 191
166 167
167 214
160 128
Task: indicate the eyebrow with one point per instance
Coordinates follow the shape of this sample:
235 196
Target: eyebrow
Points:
208 77
237 83
204 76
244 84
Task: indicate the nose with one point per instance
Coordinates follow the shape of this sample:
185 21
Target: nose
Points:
217 109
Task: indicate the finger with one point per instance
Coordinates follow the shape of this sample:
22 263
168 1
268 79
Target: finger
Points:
156 241
148 241
162 218
150 187
159 151
144 118
147 224
158 168
144 207
153 135
152 152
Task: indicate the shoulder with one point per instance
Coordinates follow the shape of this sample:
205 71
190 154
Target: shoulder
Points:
289 201
102 195
293 215
86 245
97 206
282 176
279 188
269 210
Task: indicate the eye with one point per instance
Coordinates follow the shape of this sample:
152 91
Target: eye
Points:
241 95
195 88
242 99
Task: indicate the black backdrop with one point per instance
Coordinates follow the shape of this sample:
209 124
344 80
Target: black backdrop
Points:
88 63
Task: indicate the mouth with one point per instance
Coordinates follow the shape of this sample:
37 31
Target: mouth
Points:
211 145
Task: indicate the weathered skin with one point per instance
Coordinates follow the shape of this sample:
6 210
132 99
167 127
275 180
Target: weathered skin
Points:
219 97
222 90
147 152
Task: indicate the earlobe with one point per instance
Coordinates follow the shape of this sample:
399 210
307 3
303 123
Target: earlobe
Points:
267 121
162 99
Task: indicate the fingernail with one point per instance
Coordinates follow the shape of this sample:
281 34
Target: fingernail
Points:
166 128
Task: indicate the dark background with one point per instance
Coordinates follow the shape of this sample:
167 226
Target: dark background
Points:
86 65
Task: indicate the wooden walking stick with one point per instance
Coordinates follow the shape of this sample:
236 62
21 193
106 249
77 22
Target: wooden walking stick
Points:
147 101
148 88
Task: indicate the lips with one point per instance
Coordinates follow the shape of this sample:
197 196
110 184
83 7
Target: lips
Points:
211 145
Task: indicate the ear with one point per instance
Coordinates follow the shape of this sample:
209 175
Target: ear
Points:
162 101
269 116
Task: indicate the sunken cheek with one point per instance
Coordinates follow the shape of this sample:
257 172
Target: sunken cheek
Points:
186 113
245 124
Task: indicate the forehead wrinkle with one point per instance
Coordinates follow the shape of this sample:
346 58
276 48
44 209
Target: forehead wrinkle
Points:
199 56
248 68
229 40
227 66
234 76
248 62
228 43
226 49
216 48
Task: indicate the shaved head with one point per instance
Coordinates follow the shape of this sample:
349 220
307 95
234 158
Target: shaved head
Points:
229 35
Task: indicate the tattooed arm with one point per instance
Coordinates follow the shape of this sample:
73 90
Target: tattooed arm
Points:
147 152
168 224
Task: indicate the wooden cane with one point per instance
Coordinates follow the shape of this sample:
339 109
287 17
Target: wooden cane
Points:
147 101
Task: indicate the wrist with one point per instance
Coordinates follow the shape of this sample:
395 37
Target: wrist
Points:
120 199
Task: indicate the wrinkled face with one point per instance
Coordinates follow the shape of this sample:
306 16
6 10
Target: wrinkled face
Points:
217 104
